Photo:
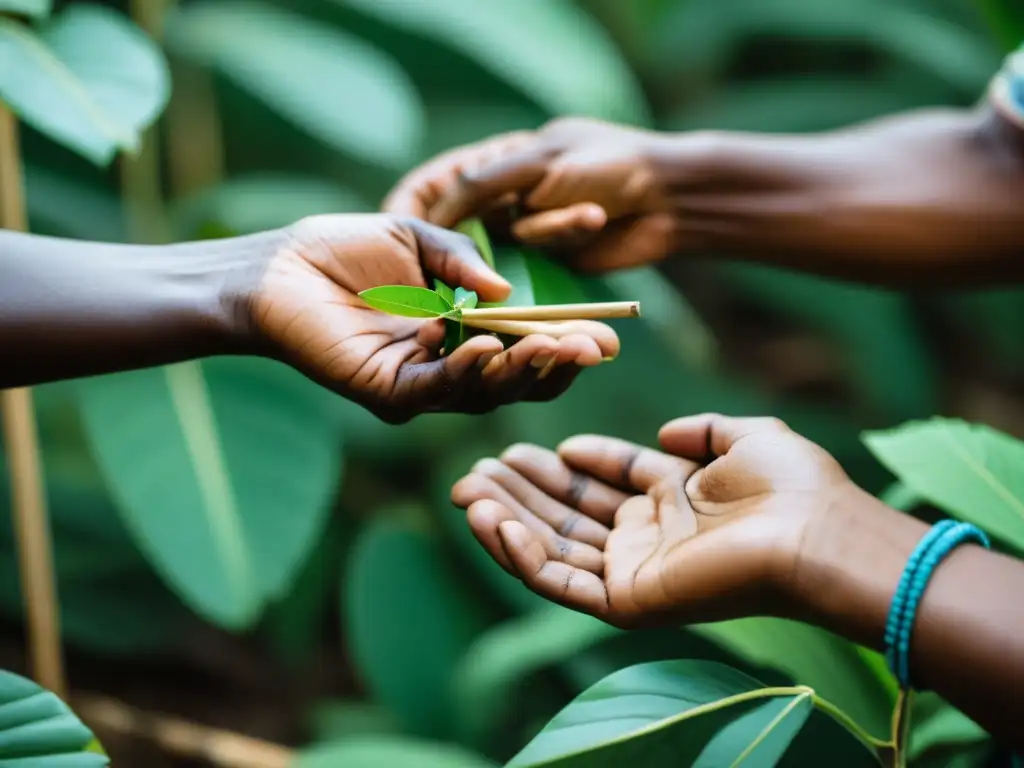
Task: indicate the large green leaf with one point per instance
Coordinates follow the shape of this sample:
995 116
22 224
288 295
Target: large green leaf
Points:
811 657
389 752
61 207
262 201
486 680
224 472
1007 19
89 79
38 730
552 51
32 8
409 621
970 470
336 87
677 713
407 301
939 727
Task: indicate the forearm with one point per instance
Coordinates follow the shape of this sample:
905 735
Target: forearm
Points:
930 198
71 309
967 640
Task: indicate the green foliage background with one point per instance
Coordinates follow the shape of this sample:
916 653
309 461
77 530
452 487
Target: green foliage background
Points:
234 500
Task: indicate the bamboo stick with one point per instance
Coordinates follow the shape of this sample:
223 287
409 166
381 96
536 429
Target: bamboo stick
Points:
28 497
607 310
555 330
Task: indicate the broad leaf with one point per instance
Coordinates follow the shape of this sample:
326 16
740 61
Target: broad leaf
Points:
38 730
32 8
336 87
407 301
258 202
513 264
1007 19
409 621
676 713
939 725
970 470
389 752
474 229
224 473
335 720
89 79
486 681
553 52
61 207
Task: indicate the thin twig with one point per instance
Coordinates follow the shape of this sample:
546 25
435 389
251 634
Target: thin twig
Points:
35 550
608 310
186 739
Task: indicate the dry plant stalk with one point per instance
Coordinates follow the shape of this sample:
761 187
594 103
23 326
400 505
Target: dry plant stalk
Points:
223 749
31 523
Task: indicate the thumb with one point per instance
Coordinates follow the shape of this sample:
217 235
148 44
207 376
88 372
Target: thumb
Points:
711 434
454 259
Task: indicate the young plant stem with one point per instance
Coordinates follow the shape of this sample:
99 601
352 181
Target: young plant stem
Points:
608 310
554 329
28 496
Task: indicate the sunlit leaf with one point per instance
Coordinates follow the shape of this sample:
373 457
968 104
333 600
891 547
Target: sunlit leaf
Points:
389 752
475 230
229 500
552 51
89 79
335 86
970 470
32 8
38 729
407 301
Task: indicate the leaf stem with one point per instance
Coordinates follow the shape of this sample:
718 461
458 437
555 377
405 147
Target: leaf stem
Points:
607 310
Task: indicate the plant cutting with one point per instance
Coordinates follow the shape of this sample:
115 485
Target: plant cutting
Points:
517 316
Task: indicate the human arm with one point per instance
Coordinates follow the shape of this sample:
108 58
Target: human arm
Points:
70 309
742 517
923 199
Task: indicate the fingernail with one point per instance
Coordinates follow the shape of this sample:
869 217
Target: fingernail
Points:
484 359
547 369
607 359
542 361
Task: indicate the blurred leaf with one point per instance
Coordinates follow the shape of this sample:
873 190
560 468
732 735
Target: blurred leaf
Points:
409 622
889 361
389 752
406 300
456 120
1007 19
262 201
970 470
513 264
335 720
37 728
338 88
899 496
939 725
486 681
32 8
811 657
65 208
552 51
995 316
680 713
89 79
474 229
552 282
228 499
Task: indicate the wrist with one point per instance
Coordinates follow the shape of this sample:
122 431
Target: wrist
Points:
849 564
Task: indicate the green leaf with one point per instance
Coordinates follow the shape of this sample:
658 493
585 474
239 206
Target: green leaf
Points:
389 752
334 720
36 9
513 264
230 496
553 52
939 725
899 496
444 292
465 299
970 470
262 201
38 730
676 713
474 229
409 621
89 79
1007 18
61 207
809 656
407 301
485 682
336 87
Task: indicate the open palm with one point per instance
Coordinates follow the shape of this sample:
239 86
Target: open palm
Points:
635 536
308 311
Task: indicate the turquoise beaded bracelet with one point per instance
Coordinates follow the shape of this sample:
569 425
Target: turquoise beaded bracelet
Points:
933 548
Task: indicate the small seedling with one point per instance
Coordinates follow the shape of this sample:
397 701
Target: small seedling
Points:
518 316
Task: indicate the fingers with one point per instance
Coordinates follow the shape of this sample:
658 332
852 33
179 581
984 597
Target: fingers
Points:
620 463
629 242
562 227
577 490
557 581
454 259
711 434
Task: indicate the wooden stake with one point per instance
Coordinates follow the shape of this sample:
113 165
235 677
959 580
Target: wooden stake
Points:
32 530
608 310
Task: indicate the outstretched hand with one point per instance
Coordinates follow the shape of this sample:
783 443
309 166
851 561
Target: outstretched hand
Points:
307 312
708 530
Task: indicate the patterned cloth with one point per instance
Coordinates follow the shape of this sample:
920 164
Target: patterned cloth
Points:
1007 90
